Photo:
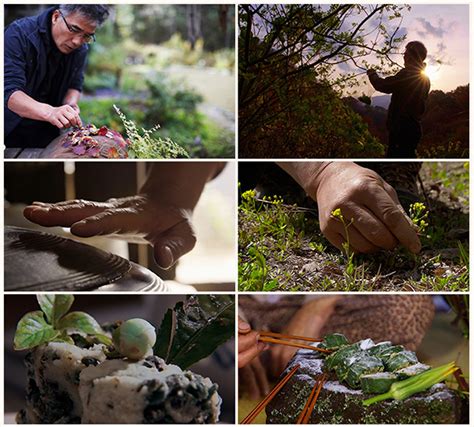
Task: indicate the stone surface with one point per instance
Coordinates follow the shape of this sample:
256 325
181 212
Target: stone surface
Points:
338 404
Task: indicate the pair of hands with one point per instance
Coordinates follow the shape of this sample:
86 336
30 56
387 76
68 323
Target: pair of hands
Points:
370 205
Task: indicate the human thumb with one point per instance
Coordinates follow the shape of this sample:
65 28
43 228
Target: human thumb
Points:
173 244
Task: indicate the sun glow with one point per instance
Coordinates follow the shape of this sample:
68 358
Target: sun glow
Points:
431 71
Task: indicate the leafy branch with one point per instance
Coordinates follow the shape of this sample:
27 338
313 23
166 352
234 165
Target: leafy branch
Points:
195 328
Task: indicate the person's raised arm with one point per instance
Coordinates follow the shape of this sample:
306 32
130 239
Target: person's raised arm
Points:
385 85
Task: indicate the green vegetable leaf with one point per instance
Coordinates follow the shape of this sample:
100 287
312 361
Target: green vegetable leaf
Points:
195 328
80 321
33 330
55 306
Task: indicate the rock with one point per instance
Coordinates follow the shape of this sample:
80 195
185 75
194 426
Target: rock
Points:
338 404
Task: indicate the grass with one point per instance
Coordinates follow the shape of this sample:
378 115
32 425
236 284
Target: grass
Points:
282 249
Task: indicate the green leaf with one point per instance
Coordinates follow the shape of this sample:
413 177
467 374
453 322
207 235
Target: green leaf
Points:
195 328
80 321
33 330
55 306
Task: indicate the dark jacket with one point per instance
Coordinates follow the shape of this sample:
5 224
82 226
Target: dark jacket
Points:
25 64
409 89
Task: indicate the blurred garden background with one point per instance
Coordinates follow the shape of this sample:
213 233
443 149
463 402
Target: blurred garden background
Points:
171 65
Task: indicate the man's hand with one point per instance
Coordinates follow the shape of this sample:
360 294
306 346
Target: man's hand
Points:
72 98
249 346
168 229
61 117
308 321
371 72
64 117
370 205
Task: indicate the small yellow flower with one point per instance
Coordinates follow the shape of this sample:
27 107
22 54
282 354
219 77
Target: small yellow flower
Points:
336 213
248 195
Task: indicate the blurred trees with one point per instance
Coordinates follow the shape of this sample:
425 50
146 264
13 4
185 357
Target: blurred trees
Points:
155 24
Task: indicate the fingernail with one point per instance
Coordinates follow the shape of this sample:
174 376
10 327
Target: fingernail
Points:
244 326
166 257
261 346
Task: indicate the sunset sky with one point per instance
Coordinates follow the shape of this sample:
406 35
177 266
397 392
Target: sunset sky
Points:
444 29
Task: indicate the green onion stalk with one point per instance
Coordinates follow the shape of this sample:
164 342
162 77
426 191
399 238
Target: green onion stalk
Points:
416 384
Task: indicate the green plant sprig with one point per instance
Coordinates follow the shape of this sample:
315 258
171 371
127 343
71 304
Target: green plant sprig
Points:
419 216
337 213
416 384
53 323
145 146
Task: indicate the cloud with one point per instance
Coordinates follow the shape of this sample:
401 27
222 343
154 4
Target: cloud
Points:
440 56
428 29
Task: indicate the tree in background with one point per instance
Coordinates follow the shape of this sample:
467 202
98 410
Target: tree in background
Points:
294 62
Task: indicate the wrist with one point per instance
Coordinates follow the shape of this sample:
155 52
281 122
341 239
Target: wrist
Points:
45 112
307 174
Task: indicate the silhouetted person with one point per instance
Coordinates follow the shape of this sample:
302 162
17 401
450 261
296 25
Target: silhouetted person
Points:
409 89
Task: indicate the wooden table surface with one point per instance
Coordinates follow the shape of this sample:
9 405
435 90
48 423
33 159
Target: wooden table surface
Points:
22 153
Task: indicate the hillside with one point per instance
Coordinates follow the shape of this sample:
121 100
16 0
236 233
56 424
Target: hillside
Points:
445 122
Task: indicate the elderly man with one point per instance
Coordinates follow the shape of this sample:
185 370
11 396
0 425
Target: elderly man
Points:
44 62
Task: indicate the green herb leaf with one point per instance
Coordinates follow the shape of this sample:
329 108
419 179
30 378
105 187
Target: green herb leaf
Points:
33 330
195 328
63 337
55 306
80 321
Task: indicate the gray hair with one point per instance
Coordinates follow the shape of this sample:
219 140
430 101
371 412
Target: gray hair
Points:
97 13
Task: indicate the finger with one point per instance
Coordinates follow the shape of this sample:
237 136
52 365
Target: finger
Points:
76 202
72 119
247 341
174 243
63 120
336 234
391 214
372 229
109 221
244 327
63 216
57 123
248 355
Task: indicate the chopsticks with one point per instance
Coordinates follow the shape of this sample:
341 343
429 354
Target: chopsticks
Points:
250 417
283 339
305 415
286 336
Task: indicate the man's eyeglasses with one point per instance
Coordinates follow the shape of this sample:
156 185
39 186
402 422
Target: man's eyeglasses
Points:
88 38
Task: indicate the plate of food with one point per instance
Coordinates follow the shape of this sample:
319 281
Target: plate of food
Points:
333 381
